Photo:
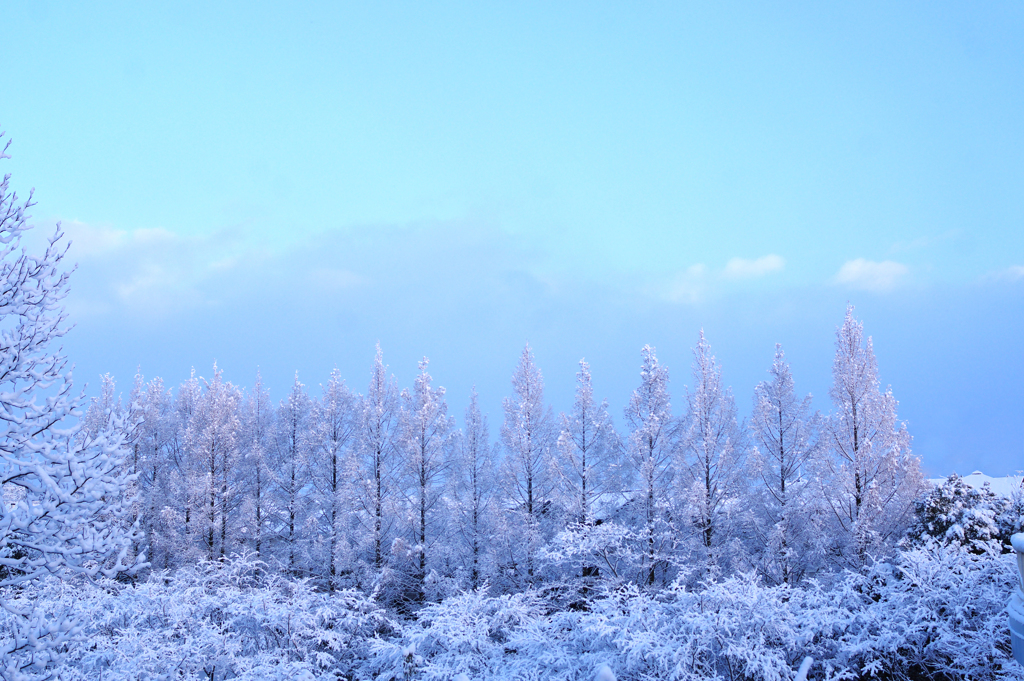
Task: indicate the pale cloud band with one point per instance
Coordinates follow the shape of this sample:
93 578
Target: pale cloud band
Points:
867 275
688 286
741 268
1009 275
153 271
695 283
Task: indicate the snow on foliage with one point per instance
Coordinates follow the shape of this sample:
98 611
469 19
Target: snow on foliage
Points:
869 479
364 536
64 501
955 512
936 611
228 619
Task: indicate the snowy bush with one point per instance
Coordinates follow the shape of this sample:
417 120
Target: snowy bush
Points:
940 610
470 633
936 613
219 620
955 512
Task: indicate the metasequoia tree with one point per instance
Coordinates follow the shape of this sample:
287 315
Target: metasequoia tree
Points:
182 516
156 423
255 443
869 477
472 483
334 425
527 437
650 450
133 414
63 500
212 440
426 442
588 449
377 435
108 404
711 446
132 430
100 408
293 445
786 436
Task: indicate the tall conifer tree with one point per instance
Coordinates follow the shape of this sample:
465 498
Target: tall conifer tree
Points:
650 451
713 448
869 477
528 438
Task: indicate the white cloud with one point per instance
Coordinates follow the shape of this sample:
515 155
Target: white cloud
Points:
152 274
741 268
152 270
687 286
867 275
1011 275
89 240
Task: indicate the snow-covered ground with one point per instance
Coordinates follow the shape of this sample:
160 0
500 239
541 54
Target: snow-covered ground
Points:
1004 486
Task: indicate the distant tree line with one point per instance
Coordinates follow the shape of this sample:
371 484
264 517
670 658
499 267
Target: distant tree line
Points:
384 492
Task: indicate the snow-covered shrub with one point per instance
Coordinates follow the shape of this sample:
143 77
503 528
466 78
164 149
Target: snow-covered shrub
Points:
471 633
955 512
601 551
219 620
937 612
1011 520
940 610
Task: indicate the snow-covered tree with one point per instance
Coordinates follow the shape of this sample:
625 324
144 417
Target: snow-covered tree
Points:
256 442
130 415
528 438
378 464
333 471
101 407
212 441
712 448
650 452
426 445
869 478
786 436
472 483
181 517
155 405
1011 520
293 444
589 452
63 501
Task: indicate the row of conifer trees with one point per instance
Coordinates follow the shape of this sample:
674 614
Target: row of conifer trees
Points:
385 490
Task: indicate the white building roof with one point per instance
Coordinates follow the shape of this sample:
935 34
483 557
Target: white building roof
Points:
1003 487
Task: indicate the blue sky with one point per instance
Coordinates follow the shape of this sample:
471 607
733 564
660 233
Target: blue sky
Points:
279 187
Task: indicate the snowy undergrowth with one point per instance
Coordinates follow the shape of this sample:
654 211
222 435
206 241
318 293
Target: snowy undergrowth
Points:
216 621
937 613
